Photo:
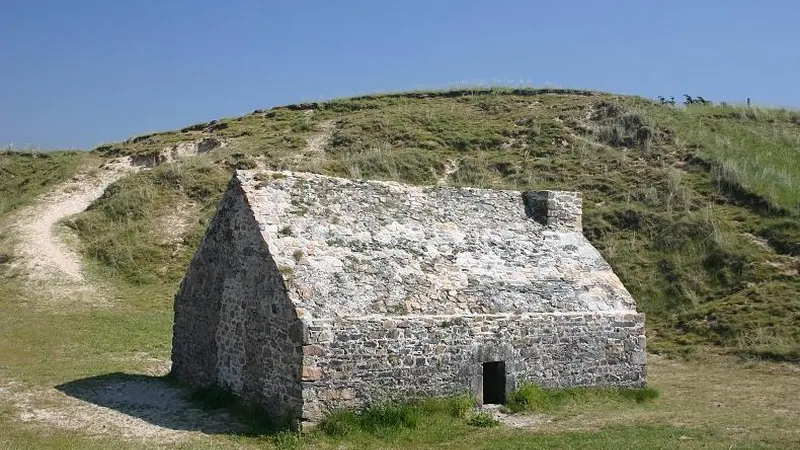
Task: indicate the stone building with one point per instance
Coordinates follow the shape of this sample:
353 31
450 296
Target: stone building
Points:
310 293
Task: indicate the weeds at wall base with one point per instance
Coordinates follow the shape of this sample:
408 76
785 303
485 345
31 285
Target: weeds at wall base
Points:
533 398
391 418
483 420
387 418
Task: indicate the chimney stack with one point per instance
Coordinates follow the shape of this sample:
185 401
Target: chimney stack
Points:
555 208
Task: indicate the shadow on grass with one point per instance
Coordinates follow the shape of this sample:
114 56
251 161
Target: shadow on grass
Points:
159 401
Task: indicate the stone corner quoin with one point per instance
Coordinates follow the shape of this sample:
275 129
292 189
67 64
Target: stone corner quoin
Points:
311 293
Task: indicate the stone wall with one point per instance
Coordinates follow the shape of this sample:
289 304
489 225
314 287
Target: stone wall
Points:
235 327
353 362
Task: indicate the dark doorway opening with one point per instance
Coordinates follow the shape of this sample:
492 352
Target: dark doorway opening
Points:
494 383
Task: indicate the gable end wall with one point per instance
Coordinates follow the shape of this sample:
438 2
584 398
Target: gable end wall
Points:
235 327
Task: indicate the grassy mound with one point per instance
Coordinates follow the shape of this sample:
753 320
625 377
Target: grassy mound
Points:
696 208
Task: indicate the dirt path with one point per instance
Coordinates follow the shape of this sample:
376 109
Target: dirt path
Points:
313 154
42 253
316 144
450 168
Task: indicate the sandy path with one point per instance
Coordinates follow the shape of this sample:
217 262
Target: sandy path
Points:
316 143
450 168
39 247
313 154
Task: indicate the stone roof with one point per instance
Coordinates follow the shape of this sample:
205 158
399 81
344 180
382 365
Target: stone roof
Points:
363 248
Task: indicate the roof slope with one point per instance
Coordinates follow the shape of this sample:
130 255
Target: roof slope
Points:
357 248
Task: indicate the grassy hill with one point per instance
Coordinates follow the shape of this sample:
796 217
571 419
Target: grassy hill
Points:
697 209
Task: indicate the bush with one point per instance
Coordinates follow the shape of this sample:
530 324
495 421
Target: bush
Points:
394 417
373 419
340 423
623 127
378 418
529 397
483 420
457 406
631 130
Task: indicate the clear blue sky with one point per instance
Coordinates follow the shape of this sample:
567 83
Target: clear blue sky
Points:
77 73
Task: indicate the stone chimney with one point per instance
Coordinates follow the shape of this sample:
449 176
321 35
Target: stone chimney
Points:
554 208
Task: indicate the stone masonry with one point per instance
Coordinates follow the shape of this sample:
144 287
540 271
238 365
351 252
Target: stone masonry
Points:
311 293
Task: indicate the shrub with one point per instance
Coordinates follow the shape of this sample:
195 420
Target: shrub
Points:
483 420
630 130
391 417
287 440
340 423
457 406
373 419
529 397
394 417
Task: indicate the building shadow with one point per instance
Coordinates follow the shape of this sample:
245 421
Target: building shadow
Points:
159 401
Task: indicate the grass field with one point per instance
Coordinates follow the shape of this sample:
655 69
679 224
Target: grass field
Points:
697 209
707 402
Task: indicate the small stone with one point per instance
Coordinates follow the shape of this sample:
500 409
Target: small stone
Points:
313 350
305 292
311 373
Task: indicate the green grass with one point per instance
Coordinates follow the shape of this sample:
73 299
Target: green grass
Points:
673 197
123 232
51 348
696 209
391 418
483 420
609 438
45 345
25 175
532 398
754 150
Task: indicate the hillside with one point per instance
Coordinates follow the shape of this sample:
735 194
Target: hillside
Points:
697 208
